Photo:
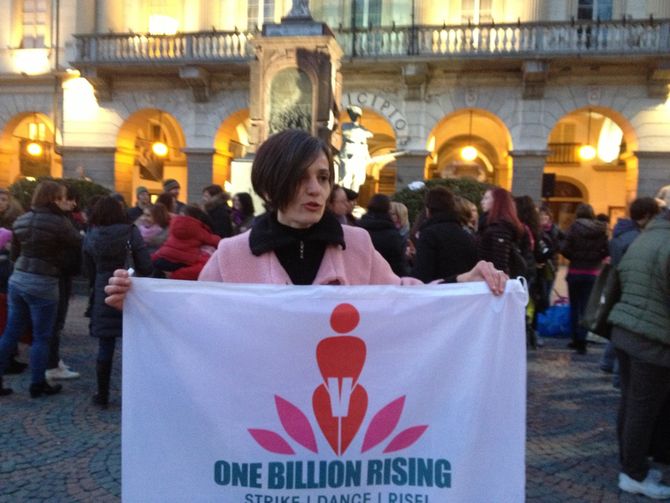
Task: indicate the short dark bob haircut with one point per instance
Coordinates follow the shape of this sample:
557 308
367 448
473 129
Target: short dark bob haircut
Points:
108 211
47 192
281 162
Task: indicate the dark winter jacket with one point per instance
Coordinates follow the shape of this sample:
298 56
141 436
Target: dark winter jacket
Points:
625 231
444 249
496 241
644 273
105 249
585 244
386 239
219 213
43 238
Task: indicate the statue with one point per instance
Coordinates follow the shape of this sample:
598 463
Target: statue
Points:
299 9
354 156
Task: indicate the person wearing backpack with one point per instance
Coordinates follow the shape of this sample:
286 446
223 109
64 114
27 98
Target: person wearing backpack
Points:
501 232
585 246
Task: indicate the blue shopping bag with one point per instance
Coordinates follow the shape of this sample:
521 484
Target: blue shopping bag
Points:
555 320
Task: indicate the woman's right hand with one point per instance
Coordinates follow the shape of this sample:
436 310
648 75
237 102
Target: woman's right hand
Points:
117 288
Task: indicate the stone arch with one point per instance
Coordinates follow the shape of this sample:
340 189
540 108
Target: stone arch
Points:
382 106
609 180
475 127
15 136
134 162
564 203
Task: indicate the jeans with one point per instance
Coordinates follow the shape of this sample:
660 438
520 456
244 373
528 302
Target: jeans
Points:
579 290
643 423
22 309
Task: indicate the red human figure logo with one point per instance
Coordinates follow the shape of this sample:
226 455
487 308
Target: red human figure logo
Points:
340 402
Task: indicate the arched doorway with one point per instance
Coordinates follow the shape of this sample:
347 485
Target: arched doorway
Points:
593 149
140 161
381 172
231 142
470 143
566 196
27 149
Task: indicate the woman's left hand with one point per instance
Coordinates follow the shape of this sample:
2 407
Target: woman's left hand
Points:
486 271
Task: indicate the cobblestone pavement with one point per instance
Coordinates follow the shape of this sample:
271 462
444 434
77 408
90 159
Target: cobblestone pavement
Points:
63 449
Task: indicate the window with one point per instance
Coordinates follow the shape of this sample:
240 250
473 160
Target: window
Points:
368 13
476 11
34 20
164 16
254 19
594 9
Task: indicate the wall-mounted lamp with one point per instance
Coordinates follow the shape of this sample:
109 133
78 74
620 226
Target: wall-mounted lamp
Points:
469 152
587 152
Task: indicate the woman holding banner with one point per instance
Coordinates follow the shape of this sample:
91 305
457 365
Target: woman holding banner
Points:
298 242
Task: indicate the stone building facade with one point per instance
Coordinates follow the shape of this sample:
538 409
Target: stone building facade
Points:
527 83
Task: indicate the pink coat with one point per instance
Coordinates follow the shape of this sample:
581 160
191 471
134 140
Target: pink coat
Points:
358 264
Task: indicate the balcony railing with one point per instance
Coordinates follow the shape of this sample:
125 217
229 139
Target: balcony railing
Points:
179 48
518 39
512 40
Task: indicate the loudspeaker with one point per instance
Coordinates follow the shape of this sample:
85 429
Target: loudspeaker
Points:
548 184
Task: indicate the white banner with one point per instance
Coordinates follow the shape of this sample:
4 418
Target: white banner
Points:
323 394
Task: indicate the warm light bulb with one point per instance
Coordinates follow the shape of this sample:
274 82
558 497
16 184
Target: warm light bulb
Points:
34 149
469 153
159 148
587 152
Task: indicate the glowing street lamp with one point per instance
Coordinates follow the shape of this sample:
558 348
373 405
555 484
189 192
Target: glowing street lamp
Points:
159 148
34 149
587 152
469 153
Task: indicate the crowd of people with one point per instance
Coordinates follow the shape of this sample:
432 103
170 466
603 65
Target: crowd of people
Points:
309 235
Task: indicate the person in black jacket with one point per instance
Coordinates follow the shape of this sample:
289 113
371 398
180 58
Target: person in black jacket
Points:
385 236
444 248
215 204
585 246
500 232
56 368
41 238
107 246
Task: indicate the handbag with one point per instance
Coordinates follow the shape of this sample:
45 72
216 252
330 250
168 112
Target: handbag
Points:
605 293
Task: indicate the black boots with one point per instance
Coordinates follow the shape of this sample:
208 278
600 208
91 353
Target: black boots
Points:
103 370
15 367
4 391
44 388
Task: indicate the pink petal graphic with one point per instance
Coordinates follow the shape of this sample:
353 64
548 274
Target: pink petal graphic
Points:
405 438
295 423
270 441
383 423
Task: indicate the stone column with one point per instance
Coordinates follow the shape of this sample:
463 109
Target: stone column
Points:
528 167
532 11
97 164
411 167
199 162
653 172
109 16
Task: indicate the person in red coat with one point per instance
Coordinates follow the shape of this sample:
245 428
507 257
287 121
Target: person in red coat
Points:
189 245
